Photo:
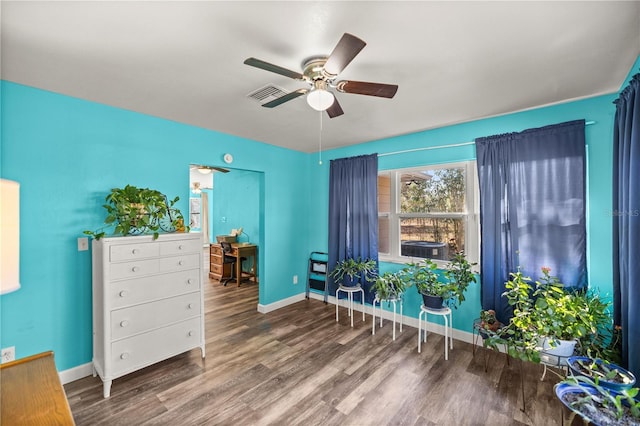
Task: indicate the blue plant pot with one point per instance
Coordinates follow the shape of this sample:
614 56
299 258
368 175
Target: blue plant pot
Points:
603 382
433 302
562 389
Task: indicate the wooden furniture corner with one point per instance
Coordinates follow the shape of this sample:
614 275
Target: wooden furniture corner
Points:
31 393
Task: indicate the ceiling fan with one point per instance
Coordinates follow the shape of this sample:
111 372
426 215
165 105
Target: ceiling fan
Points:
320 72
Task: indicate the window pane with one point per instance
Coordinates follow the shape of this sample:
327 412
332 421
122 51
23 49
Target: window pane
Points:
383 234
384 193
434 238
433 191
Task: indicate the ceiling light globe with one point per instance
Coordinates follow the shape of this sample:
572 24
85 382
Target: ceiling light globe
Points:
204 170
320 99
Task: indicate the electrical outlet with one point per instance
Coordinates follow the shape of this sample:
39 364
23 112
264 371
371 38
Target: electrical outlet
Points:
8 354
295 279
83 244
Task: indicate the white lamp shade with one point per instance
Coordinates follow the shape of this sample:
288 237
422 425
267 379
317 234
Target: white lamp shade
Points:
9 236
320 99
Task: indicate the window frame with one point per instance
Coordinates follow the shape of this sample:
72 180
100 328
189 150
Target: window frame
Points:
471 215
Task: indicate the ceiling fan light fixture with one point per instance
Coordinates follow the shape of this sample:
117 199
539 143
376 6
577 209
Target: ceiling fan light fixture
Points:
320 99
204 170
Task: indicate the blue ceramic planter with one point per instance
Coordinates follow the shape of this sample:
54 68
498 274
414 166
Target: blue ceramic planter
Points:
603 382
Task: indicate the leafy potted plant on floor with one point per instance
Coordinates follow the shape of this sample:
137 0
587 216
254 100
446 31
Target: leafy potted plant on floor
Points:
563 317
136 210
437 292
548 316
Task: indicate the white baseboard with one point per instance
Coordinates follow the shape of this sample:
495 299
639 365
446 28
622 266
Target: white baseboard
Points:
263 309
76 373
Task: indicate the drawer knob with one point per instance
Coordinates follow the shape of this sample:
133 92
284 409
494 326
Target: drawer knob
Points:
190 306
190 333
124 355
134 251
123 293
189 281
124 323
135 269
180 247
180 262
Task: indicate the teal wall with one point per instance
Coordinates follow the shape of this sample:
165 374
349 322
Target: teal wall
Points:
67 154
236 203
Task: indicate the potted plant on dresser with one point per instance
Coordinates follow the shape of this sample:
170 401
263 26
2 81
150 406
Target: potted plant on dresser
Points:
449 290
132 211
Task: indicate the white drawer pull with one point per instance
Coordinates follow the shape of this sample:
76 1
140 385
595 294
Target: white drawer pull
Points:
190 333
134 251
123 293
124 355
190 306
189 281
179 262
124 323
135 269
180 247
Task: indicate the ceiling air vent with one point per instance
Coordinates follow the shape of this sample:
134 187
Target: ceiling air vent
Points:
267 93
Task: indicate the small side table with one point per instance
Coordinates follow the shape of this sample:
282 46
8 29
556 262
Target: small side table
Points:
448 326
391 300
350 291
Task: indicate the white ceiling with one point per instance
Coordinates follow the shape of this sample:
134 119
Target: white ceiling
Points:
453 61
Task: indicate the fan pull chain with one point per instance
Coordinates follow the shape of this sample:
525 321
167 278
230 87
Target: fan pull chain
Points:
320 140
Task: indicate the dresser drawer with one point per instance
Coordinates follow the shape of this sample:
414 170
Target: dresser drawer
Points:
178 263
134 269
122 252
148 316
145 349
131 292
215 268
178 247
215 250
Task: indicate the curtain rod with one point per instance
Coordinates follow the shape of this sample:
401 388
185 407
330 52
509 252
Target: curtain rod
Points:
587 123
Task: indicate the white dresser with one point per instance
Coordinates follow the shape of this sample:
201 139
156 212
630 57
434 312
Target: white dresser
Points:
147 301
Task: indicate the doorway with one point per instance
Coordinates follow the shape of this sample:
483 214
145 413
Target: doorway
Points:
224 199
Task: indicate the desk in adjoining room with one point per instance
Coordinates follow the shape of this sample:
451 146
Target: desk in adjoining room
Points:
218 270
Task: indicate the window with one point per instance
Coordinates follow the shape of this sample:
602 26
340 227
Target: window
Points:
428 212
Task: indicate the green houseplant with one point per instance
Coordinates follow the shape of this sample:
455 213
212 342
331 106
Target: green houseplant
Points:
449 290
549 313
597 404
349 271
134 210
389 285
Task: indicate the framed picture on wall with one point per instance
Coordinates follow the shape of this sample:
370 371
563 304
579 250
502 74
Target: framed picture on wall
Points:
194 213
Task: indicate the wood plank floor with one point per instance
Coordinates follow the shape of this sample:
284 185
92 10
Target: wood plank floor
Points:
297 366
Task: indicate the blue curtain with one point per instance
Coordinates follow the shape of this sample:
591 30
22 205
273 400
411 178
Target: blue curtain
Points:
353 212
626 222
532 208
